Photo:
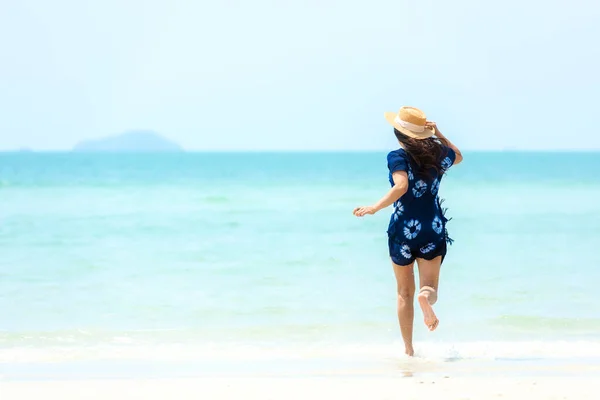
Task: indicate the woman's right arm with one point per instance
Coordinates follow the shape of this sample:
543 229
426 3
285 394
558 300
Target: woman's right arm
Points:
459 156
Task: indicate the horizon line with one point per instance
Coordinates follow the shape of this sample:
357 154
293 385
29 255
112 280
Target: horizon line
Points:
217 151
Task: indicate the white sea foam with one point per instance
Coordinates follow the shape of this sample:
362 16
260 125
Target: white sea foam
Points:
425 351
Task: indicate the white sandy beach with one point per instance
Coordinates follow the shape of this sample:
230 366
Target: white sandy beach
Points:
309 388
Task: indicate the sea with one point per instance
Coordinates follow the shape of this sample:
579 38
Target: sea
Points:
189 264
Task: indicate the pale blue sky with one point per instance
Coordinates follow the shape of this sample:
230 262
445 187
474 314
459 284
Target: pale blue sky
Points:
310 74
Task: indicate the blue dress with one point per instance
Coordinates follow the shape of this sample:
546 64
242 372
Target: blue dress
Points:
417 226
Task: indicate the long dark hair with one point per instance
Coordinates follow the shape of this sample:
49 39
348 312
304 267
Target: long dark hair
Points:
427 154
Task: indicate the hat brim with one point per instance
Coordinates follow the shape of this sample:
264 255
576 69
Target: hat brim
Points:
427 133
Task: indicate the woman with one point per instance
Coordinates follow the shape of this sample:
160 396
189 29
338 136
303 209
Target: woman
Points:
417 228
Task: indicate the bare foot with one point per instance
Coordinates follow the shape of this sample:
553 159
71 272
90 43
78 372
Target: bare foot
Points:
409 351
430 318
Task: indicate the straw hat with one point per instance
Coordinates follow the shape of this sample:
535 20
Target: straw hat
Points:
411 122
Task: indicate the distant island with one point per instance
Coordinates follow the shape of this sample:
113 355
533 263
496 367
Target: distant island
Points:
133 141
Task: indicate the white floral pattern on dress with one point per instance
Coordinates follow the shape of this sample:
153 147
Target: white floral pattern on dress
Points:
410 174
412 228
398 210
435 185
437 225
427 248
405 251
446 163
420 188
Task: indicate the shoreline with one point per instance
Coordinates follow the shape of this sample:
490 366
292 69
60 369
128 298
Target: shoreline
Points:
303 388
294 360
307 368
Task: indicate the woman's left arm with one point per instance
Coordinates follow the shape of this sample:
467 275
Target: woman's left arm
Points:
400 187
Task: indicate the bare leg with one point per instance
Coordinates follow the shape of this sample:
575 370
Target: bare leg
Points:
405 281
429 275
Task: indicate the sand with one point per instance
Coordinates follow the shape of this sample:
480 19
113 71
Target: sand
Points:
308 388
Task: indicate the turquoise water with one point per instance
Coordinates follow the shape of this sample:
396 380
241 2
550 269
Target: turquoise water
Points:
251 256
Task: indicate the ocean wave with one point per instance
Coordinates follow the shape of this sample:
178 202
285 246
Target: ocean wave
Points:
524 322
123 348
217 200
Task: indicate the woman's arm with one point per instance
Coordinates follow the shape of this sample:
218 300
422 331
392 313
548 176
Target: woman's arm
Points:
400 186
459 156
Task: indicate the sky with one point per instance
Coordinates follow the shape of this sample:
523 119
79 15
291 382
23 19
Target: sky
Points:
299 75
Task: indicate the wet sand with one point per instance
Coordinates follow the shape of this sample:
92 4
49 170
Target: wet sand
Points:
307 388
